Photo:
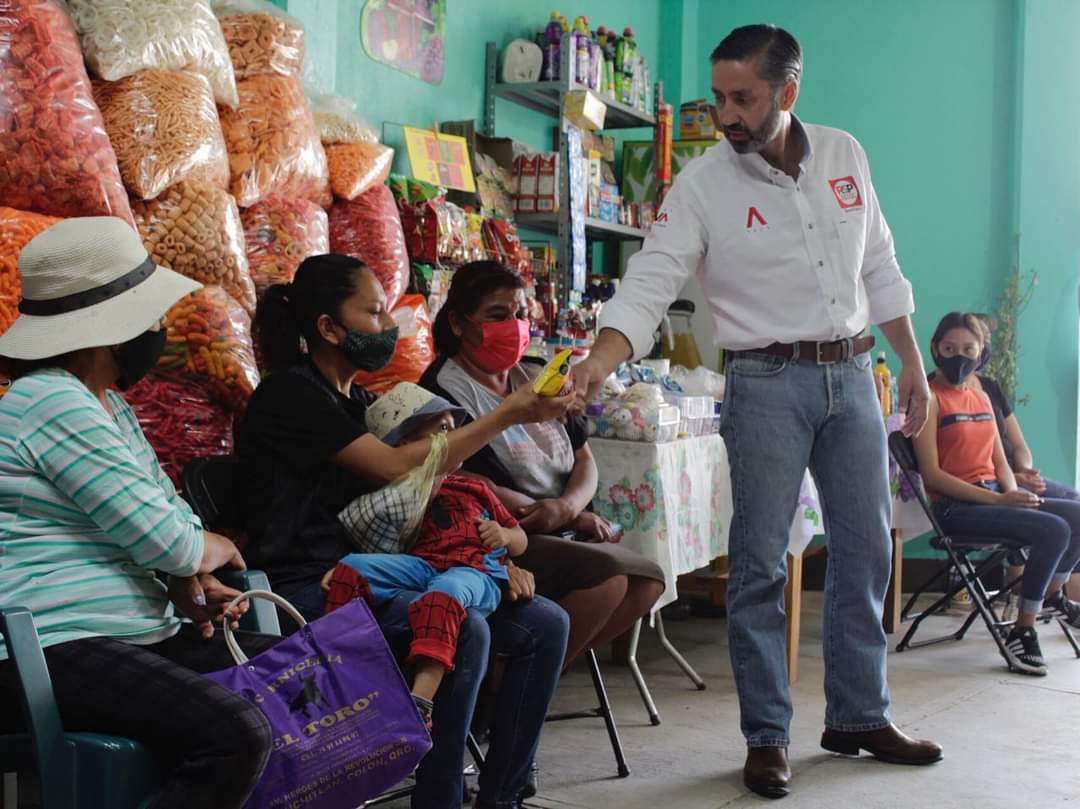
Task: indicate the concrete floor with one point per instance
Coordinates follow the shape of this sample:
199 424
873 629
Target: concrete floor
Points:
1009 740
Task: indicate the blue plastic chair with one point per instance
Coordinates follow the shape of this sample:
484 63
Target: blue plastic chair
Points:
89 770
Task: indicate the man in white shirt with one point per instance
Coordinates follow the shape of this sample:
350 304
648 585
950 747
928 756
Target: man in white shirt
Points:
783 228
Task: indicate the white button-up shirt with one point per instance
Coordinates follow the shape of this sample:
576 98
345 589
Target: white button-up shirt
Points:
779 259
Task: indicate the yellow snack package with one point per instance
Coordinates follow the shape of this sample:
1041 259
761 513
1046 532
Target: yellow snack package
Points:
553 377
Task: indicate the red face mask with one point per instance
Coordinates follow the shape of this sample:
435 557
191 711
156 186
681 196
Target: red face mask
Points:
503 344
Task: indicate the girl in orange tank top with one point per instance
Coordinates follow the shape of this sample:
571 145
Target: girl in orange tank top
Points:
974 490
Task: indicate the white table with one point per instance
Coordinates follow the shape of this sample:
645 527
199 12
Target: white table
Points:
674 503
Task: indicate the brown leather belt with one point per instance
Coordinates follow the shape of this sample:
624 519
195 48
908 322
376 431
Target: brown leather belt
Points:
819 353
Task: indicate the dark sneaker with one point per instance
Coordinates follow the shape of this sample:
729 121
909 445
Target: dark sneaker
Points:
1066 608
1023 652
424 707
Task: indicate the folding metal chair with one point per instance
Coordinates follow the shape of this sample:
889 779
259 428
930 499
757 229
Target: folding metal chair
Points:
959 551
603 710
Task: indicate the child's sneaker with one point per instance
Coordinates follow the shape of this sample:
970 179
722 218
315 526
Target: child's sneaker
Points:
424 707
1065 607
1023 652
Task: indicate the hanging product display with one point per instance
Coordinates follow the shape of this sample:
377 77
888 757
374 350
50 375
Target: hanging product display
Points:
164 127
120 38
55 157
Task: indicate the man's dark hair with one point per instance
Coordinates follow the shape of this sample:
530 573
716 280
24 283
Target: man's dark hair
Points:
778 52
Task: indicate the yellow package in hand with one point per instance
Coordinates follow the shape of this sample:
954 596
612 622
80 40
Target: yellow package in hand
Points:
553 377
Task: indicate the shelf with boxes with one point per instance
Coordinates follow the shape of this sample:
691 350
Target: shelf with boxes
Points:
557 201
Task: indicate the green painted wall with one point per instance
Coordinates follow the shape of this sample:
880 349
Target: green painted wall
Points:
1048 203
386 95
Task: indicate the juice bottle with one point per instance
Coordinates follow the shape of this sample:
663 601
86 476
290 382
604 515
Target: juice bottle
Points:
886 377
583 60
679 345
553 35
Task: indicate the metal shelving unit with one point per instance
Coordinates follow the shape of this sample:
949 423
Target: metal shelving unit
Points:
548 98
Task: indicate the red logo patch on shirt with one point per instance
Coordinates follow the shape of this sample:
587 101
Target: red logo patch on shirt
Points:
753 215
847 192
661 218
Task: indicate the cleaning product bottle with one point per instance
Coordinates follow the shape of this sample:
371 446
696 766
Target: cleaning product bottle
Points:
596 64
583 63
610 48
552 41
886 377
629 65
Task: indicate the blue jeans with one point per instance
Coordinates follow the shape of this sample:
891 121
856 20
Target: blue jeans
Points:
1051 531
779 418
388 574
531 637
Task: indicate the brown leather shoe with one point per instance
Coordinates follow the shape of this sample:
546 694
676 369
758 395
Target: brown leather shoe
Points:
887 744
766 771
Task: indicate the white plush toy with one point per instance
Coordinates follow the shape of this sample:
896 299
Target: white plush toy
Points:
522 62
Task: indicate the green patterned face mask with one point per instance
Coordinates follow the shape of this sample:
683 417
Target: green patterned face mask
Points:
369 352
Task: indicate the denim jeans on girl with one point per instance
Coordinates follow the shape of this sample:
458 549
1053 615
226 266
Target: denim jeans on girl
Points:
1052 532
781 417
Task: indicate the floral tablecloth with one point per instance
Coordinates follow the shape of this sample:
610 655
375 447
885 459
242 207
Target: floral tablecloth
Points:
674 502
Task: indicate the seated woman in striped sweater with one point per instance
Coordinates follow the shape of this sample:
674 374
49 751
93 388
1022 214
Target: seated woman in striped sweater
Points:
87 516
974 490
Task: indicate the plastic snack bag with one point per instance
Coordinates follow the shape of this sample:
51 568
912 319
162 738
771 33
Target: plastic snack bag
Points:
209 338
280 233
356 167
197 232
122 37
274 148
415 349
338 121
388 519
164 127
369 228
262 39
17 228
181 422
55 157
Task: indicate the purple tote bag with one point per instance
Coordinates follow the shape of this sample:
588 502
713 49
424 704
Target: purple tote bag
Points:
344 724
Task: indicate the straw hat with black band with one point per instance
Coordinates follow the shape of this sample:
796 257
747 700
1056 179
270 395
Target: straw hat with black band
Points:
88 282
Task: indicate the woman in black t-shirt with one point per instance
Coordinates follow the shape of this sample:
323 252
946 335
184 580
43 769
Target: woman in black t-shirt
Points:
306 453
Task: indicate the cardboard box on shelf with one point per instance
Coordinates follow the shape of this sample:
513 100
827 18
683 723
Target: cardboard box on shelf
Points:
547 184
584 110
528 170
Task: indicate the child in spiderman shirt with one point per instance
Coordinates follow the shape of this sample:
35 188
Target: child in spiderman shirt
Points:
456 561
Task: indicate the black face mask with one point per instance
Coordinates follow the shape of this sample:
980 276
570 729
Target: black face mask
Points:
137 356
369 352
957 368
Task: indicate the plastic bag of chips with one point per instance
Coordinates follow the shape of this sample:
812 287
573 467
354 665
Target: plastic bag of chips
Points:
196 231
274 147
280 233
122 37
208 338
262 39
55 157
17 228
164 127
369 228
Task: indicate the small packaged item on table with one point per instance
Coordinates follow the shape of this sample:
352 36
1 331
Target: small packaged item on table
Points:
646 422
695 412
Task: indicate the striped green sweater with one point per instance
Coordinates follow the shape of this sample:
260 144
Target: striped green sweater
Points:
86 516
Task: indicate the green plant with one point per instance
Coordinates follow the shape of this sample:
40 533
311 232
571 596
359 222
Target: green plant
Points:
1005 353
